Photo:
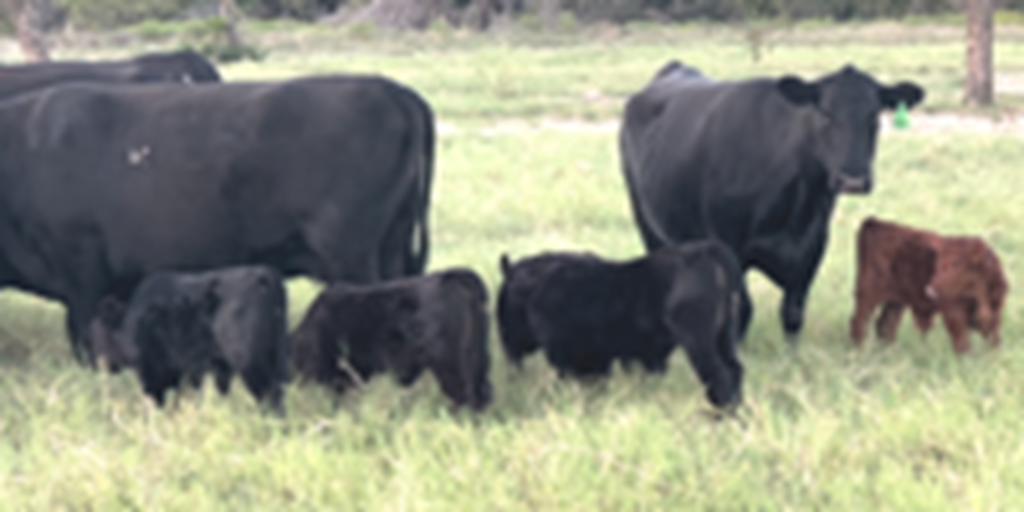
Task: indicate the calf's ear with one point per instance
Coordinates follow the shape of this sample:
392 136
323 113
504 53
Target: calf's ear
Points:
907 93
797 91
505 264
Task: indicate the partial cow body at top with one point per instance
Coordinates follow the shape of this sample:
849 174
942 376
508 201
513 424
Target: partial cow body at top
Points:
182 66
757 164
900 267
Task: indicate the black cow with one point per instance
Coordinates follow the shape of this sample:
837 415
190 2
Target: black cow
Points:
757 164
181 325
436 322
520 281
100 185
586 314
181 66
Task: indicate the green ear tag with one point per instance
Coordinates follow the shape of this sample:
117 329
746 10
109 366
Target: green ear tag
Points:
901 119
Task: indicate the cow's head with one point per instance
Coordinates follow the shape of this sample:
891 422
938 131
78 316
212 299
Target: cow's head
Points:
183 66
675 70
107 339
848 103
475 359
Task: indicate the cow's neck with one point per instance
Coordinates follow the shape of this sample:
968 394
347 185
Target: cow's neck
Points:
799 232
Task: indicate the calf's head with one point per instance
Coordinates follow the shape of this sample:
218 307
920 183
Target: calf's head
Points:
468 295
974 277
108 341
517 284
846 129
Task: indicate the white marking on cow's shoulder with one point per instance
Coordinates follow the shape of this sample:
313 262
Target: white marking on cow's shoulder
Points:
137 155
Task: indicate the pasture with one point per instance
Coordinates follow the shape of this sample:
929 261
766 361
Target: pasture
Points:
527 161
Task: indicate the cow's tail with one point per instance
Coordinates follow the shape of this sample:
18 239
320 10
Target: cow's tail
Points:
422 163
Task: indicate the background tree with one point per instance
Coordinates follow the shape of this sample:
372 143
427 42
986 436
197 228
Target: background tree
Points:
31 20
979 52
229 15
402 14
549 10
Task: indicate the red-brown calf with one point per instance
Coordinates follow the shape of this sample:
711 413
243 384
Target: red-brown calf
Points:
898 267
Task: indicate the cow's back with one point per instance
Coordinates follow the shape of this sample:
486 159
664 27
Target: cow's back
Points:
271 155
709 144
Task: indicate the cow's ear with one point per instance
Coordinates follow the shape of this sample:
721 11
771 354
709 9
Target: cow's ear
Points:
907 93
111 312
797 91
506 265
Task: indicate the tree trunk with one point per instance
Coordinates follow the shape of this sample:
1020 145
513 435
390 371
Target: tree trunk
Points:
549 10
979 52
402 14
229 13
31 20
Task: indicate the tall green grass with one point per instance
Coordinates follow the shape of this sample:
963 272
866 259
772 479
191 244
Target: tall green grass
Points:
825 427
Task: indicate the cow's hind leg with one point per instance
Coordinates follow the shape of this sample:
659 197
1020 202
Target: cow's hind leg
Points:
888 321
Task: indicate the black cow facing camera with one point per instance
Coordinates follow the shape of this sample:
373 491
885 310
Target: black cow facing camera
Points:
757 163
436 322
183 325
587 313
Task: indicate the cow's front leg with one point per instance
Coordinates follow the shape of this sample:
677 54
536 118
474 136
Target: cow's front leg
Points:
80 314
792 312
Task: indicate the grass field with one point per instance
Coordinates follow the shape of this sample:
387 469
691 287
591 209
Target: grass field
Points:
527 161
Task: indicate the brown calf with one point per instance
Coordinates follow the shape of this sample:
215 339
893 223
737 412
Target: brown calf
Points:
898 267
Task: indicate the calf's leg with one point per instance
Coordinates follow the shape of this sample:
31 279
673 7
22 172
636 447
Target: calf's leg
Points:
955 318
861 315
889 321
